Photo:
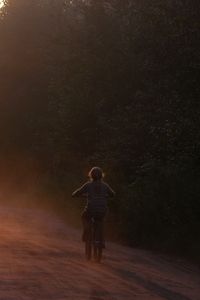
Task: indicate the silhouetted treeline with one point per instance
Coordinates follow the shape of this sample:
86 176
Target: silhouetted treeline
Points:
111 83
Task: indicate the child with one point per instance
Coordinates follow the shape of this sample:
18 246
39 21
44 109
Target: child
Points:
97 192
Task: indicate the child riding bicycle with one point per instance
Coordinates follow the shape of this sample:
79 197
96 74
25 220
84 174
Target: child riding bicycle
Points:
97 192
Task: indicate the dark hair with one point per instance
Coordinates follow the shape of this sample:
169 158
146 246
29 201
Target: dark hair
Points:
96 173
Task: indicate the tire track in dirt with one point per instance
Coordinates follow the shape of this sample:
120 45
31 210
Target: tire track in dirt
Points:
42 258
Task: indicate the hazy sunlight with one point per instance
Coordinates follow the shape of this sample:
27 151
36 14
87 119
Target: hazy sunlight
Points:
1 3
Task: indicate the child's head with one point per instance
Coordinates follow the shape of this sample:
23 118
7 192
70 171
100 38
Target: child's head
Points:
96 173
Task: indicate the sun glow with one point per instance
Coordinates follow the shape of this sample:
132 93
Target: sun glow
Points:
1 3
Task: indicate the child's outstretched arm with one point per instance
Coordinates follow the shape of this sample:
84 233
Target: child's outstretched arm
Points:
81 191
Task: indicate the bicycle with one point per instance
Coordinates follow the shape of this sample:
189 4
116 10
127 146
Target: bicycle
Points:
94 243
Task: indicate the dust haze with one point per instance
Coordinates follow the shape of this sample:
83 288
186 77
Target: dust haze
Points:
25 184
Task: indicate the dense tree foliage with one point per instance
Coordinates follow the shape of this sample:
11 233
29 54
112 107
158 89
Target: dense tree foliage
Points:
111 83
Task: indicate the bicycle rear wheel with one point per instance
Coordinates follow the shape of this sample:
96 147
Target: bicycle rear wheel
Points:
98 253
88 250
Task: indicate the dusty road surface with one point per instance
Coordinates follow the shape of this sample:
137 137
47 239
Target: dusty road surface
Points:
41 258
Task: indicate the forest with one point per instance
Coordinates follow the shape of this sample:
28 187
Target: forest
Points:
112 83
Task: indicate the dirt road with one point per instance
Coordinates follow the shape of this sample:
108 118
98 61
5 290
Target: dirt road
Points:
42 258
